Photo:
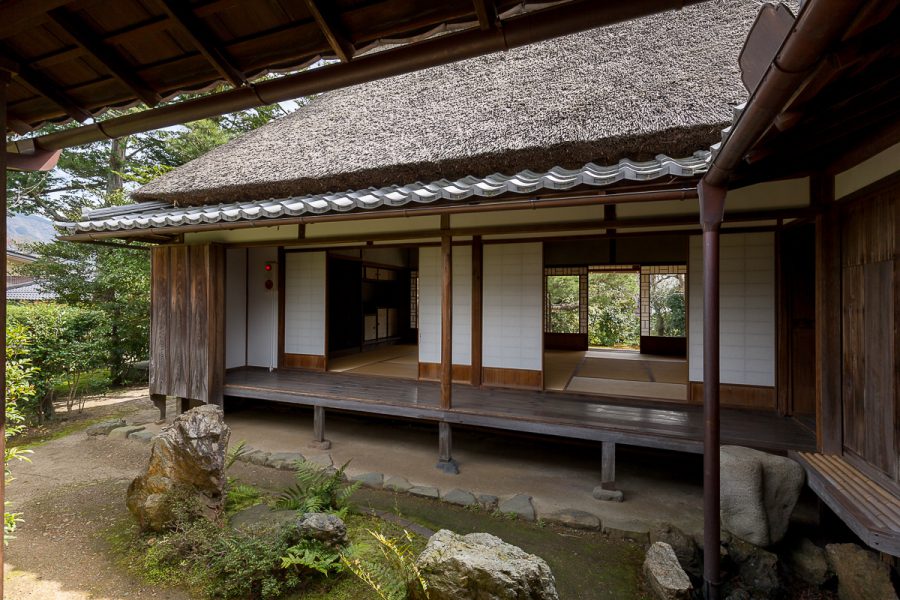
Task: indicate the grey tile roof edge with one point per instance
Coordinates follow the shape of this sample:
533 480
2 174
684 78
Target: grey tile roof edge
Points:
157 215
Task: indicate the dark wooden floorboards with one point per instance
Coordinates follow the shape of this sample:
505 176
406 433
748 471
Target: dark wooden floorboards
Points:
621 420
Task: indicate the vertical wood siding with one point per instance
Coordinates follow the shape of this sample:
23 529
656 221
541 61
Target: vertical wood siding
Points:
869 390
187 346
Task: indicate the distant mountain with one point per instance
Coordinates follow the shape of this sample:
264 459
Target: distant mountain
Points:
27 229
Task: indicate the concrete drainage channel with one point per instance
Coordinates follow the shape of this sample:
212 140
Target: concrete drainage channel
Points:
518 505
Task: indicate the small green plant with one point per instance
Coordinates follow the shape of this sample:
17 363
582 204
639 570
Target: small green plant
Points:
234 453
318 489
312 555
239 496
396 577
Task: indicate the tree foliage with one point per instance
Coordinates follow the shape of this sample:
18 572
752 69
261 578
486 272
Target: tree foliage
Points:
65 342
95 175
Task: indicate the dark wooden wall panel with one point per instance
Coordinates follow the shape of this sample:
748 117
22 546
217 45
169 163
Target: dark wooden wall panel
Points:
869 391
187 343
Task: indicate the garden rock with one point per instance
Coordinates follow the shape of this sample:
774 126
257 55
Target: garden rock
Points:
576 519
320 460
372 480
519 505
188 456
634 531
686 550
480 566
256 457
105 427
808 562
425 491
601 493
323 527
487 501
759 491
286 461
459 497
860 573
261 517
121 433
142 436
757 568
398 484
667 579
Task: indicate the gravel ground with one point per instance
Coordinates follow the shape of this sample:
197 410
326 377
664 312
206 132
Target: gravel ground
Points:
71 495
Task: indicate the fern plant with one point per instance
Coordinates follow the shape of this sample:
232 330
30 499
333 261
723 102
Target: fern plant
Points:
318 489
314 556
396 577
235 453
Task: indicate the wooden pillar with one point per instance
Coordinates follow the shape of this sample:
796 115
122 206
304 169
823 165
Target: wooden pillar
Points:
159 400
829 418
319 442
445 449
184 405
4 81
446 315
608 466
712 210
477 308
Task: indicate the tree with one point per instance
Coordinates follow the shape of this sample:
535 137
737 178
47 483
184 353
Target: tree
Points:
613 318
112 280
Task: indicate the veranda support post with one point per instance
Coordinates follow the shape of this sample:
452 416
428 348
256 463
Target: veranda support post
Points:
712 209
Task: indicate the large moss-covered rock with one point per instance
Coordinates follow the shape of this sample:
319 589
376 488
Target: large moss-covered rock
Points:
188 456
480 566
759 491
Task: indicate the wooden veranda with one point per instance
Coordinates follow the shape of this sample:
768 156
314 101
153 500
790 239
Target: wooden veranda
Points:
611 420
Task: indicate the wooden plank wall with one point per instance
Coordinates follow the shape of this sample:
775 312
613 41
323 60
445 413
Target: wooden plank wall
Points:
869 331
187 322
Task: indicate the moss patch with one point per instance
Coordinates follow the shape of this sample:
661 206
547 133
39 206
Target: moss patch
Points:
585 564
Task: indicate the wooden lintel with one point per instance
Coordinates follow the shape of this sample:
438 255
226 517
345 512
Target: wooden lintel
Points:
342 47
194 28
487 14
105 55
41 84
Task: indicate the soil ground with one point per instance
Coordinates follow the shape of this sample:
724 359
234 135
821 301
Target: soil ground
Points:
72 497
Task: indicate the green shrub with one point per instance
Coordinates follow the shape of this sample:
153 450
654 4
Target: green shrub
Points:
64 343
318 489
19 393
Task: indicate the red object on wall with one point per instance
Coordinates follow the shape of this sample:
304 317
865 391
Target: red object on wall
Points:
269 284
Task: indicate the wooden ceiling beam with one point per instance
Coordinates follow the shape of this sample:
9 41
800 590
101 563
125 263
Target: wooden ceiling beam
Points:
192 26
111 61
42 85
341 46
487 13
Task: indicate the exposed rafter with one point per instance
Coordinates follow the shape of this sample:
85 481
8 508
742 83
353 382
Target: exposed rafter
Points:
115 64
487 14
41 84
194 28
326 22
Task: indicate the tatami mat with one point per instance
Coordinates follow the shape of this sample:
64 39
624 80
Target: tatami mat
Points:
619 387
389 369
609 368
559 367
384 353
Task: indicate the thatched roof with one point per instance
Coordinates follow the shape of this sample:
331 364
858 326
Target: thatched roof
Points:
661 84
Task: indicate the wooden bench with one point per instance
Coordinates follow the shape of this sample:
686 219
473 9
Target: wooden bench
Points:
869 509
